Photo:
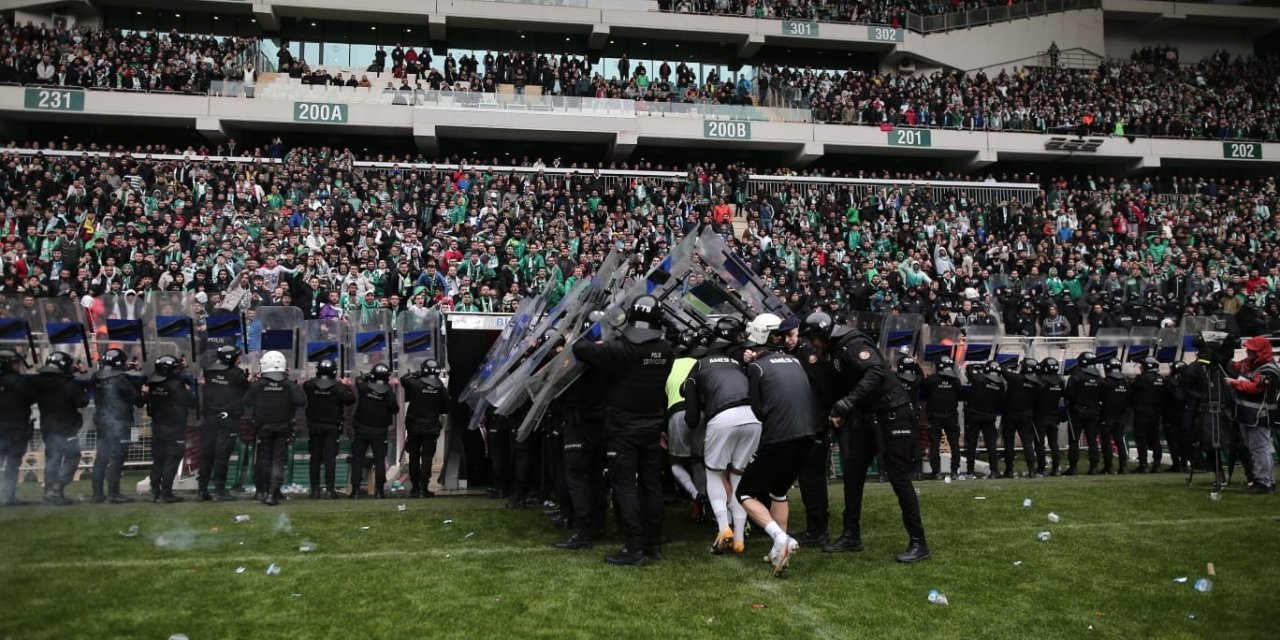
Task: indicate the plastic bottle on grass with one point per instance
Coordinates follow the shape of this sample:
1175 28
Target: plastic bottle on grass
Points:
273 570
244 517
937 598
1204 585
1044 536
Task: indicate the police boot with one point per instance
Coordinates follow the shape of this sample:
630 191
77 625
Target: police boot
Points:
1008 472
331 494
848 542
53 496
117 498
811 538
575 542
1071 471
223 496
204 495
1121 468
1093 468
355 493
916 551
272 499
626 556
379 495
168 498
259 496
314 494
98 498
155 497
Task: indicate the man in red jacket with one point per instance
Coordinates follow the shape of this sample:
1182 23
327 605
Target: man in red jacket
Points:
1255 402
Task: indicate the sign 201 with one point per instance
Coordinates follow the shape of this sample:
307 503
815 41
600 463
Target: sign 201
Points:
911 138
726 129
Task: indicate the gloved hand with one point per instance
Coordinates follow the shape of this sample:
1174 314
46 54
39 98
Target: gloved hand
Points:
843 407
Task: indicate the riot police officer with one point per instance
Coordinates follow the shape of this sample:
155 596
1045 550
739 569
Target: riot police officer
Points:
1019 416
16 398
168 402
582 421
327 400
813 475
272 401
942 405
60 397
1176 422
1151 397
1047 414
1117 398
912 378
982 400
428 400
376 408
1084 405
635 366
115 395
225 385
873 413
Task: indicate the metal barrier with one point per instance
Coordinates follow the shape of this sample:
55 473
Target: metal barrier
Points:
988 15
987 193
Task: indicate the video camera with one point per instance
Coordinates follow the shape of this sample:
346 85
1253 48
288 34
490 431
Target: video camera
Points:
1218 347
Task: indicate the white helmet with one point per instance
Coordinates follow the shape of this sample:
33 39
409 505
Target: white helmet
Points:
758 330
273 362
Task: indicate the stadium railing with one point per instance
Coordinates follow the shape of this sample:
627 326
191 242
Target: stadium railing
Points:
988 15
986 193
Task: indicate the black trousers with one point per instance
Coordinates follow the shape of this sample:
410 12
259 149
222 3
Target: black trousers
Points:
1047 429
1022 426
1113 434
13 445
859 445
554 448
217 440
113 444
272 457
322 448
813 485
422 450
974 424
635 459
168 444
949 426
584 460
1146 431
525 455
501 462
1176 435
362 443
1082 423
61 455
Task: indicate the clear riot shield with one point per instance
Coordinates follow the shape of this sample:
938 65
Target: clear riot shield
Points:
979 344
900 335
275 329
170 318
868 322
420 337
66 328
1168 345
938 341
737 275
1013 348
19 325
1191 327
1112 343
1142 343
325 340
220 328
369 334
1073 350
122 324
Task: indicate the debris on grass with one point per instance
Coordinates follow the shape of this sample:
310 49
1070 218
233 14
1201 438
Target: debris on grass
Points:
936 597
1017 563
297 595
1180 579
273 569
244 517
1212 573
1044 536
131 532
1215 496
757 605
284 524
178 636
307 547
239 570
448 522
1204 585
946 480
1053 517
401 507
979 497
711 619
364 528
1191 616
469 534
1026 502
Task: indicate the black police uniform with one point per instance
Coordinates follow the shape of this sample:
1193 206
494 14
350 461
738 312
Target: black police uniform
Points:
1019 420
376 408
168 402
782 399
501 445
224 391
272 401
1084 403
1117 398
982 400
941 392
60 397
16 398
877 418
814 492
1151 397
327 400
912 379
635 367
581 411
1047 418
428 400
1176 416
115 395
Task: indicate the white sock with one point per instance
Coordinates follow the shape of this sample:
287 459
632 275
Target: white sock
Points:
736 508
775 531
719 500
684 479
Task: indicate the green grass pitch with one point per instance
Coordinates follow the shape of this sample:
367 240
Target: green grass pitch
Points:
468 568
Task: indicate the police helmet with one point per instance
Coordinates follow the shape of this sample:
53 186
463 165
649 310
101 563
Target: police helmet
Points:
8 357
228 355
1049 365
946 363
380 372
1086 359
1150 364
817 325
1111 366
59 361
327 368
646 311
1177 367
113 359
1029 365
167 366
430 367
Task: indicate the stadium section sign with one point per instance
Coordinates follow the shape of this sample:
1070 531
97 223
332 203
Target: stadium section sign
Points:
54 99
332 113
726 129
1242 150
799 28
885 34
910 138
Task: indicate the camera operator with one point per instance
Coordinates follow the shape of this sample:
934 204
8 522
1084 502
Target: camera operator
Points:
1255 401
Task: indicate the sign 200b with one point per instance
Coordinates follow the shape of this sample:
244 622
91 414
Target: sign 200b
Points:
726 129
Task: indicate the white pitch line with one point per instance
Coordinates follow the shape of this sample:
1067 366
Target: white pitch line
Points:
448 553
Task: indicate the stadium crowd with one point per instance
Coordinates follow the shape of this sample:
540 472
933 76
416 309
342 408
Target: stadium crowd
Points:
890 12
313 231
